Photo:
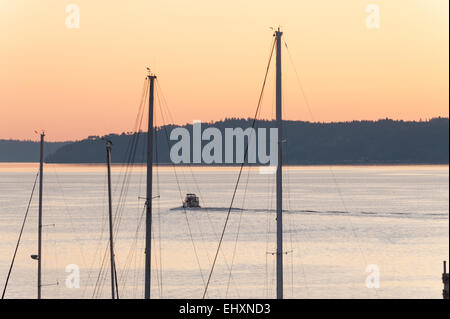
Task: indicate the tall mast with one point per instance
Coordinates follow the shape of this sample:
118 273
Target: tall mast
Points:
39 256
111 242
148 203
278 35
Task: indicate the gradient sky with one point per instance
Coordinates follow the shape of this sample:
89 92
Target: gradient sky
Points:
210 58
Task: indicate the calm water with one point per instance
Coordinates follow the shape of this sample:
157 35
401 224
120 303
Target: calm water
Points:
338 221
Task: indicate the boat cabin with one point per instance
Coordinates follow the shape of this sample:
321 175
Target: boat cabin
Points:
191 201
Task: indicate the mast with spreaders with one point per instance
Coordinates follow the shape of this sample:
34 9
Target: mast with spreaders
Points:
279 186
148 203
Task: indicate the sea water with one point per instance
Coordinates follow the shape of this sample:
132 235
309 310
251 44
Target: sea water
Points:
349 231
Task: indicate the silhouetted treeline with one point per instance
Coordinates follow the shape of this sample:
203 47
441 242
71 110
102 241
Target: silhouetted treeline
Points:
365 142
25 151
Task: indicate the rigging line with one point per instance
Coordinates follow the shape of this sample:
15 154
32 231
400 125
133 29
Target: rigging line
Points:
123 194
266 268
312 117
131 256
170 117
102 281
181 198
20 236
291 222
131 151
130 163
184 209
198 189
126 179
195 182
240 172
183 177
271 190
238 231
292 274
216 234
299 81
273 275
290 217
98 283
115 279
120 206
350 220
189 167
330 167
127 264
158 190
72 225
50 239
136 256
103 272
131 251
97 247
137 121
156 263
190 232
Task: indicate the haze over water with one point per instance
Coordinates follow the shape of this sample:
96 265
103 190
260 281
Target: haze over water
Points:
338 220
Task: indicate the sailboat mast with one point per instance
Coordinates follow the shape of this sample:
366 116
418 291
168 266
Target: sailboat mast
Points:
39 257
148 215
278 35
111 242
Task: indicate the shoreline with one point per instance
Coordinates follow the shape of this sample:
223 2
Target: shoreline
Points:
229 166
239 164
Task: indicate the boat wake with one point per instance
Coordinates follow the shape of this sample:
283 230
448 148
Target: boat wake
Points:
213 209
306 212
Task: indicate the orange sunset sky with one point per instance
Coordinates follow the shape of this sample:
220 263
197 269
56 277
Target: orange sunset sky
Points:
210 58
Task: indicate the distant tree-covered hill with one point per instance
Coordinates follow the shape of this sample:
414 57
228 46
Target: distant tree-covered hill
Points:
365 142
25 151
